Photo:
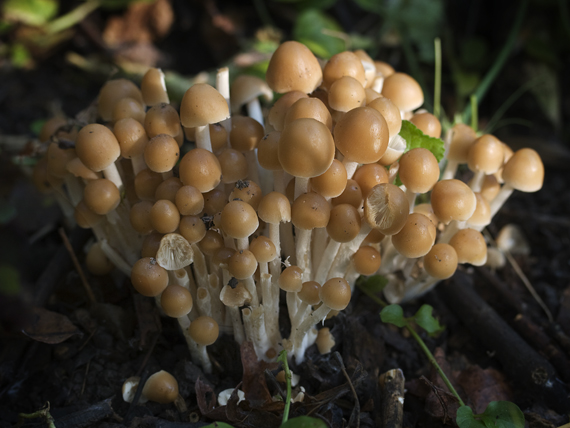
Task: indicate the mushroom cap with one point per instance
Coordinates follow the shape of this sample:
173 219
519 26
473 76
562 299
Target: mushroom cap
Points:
151 244
325 341
404 91
310 211
211 243
268 152
164 216
101 196
148 277
248 191
312 108
131 136
58 158
293 67
462 137
419 170
97 262
306 148
161 153
390 112
128 107
239 220
161 387
236 296
242 264
470 247
233 164
139 217
485 154
482 215
452 200
366 260
162 119
524 171
84 217
441 261
352 194
111 92
361 135
218 137
490 187
51 127
201 169
246 88
97 146
174 252
427 210
204 330
246 133
276 117
274 208
214 201
344 223
309 292
176 301
396 148
416 237
346 93
332 182
201 105
291 279
263 249
78 169
343 64
153 87
427 123
192 228
369 175
335 293
384 68
146 183
386 208
168 189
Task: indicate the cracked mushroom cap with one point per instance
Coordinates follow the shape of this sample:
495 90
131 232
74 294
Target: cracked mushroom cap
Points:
97 147
202 105
404 91
274 208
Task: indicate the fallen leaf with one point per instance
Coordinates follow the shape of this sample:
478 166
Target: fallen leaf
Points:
483 386
49 327
254 384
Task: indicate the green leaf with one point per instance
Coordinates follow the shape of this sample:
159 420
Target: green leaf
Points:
393 314
20 55
375 283
219 425
9 280
371 6
425 320
304 422
416 138
30 12
498 414
314 28
466 419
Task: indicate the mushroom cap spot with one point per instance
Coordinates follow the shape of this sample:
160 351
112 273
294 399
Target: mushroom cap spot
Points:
97 146
174 252
201 105
335 293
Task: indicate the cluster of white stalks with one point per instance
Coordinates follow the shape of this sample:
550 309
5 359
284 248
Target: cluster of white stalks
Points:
276 205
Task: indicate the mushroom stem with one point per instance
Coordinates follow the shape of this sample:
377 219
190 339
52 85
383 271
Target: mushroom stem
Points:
350 168
203 137
214 291
239 334
500 199
204 359
301 186
112 173
327 260
477 181
292 304
254 110
411 196
299 333
254 323
252 165
138 164
115 258
303 251
288 241
204 302
346 251
199 265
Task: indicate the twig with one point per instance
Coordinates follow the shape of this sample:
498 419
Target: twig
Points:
71 251
356 409
392 399
44 413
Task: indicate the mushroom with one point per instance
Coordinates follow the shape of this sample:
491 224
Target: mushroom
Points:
485 157
204 331
111 92
132 139
161 387
245 90
161 154
148 277
404 91
153 87
174 252
200 168
419 171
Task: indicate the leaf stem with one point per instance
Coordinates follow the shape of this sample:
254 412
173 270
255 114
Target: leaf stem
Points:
283 358
70 19
437 83
474 113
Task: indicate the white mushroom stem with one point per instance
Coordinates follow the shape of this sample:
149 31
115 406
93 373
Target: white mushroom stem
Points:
314 318
254 111
301 186
199 265
308 340
239 334
450 169
203 137
251 288
378 83
193 347
138 164
204 302
293 303
501 198
111 173
214 291
450 230
346 251
303 310
275 266
204 359
223 87
303 251
269 308
320 238
350 167
477 181
327 260
74 189
286 230
411 196
254 322
115 258
242 244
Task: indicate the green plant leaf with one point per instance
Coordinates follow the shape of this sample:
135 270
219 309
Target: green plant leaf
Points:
426 320
466 419
313 29
30 12
375 283
304 422
498 414
416 138
219 425
393 314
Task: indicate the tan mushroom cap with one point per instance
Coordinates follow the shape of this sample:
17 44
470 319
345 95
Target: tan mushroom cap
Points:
242 264
291 279
214 201
78 169
373 237
233 164
246 133
51 127
366 260
161 153
343 64
239 219
490 187
162 119
164 216
325 341
146 183
344 223
153 87
309 293
128 107
151 244
482 215
419 170
201 169
352 194
192 228
404 91
211 243
246 88
58 158
293 67
131 136
97 147
332 182
97 262
274 208
427 210
306 148
202 105
524 171
371 95
148 277
312 108
470 247
427 123
309 211
416 237
390 112
486 154
85 218
452 200
101 196
204 330
139 217
218 137
235 297
441 261
268 152
176 301
462 137
263 249
222 256
248 191
370 175
276 117
111 92
174 252
386 208
161 388
346 93
361 135
384 68
168 189
335 293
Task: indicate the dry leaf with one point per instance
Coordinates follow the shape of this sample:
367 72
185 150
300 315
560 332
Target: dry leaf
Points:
49 327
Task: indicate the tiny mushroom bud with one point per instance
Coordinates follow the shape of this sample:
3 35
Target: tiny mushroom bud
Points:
161 387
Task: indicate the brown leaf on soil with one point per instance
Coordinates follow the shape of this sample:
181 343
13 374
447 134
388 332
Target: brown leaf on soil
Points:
254 384
440 403
49 327
483 386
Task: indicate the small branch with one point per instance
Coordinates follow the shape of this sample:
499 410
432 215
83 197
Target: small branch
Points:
392 399
77 265
356 410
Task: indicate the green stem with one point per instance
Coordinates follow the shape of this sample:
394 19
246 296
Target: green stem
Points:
437 84
475 113
70 19
500 61
415 70
372 296
44 413
283 358
263 13
432 360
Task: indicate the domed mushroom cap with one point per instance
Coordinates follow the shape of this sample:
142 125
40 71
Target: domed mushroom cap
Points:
204 330
148 277
486 154
242 264
201 105
268 152
101 196
246 133
164 216
58 158
239 219
84 217
482 215
462 137
153 87
233 164
246 88
352 194
312 108
161 387
111 92
293 67
369 175
161 153
263 249
332 182
274 208
441 261
192 228
524 171
427 123
97 146
279 109
174 252
189 200
419 170
176 301
335 293
404 91
452 200
470 247
362 135
162 119
343 64
344 223
201 169
309 292
131 136
139 217
390 112
309 211
306 148
78 169
346 93
291 279
366 260
416 237
386 208
146 183
128 107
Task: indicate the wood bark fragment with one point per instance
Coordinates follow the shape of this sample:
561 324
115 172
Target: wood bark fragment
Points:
391 386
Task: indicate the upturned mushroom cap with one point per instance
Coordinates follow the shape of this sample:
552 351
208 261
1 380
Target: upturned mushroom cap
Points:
404 91
346 93
419 170
101 196
470 247
452 200
291 279
176 301
204 330
274 208
441 261
239 220
111 92
246 88
201 169
332 182
161 387
343 64
201 105
390 112
524 171
335 293
362 135
416 237
293 67
161 153
148 277
366 260
153 87
162 119
386 208
306 148
131 136
309 108
174 252
309 211
97 146
344 223
486 154
276 117
427 123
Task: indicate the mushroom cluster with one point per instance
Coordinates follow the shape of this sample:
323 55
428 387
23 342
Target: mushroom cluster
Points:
279 205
